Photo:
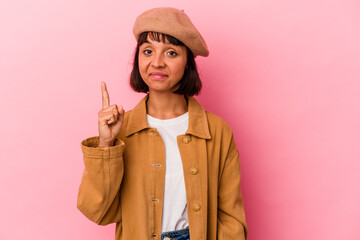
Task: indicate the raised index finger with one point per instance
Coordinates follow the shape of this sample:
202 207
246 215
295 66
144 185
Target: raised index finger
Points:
105 96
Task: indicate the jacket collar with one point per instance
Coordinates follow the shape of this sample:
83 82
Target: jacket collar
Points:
198 124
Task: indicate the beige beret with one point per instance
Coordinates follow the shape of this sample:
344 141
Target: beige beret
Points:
173 22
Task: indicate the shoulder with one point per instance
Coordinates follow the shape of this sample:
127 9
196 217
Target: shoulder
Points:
217 123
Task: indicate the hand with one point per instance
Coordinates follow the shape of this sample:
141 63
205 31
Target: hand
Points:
110 119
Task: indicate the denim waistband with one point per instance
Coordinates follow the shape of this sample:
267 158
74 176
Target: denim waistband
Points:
182 234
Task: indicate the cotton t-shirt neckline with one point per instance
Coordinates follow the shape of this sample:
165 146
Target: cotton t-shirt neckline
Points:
170 121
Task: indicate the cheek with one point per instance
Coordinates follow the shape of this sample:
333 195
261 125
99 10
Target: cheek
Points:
179 69
142 66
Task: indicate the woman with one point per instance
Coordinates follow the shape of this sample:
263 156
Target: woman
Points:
167 169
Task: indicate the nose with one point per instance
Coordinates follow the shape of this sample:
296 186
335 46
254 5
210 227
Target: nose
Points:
158 60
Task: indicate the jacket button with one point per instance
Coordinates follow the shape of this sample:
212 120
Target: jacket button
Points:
186 139
194 171
196 207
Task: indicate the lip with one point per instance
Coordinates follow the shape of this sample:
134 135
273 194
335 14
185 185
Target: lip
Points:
158 75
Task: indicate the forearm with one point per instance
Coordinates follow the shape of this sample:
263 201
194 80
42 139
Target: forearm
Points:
101 180
231 214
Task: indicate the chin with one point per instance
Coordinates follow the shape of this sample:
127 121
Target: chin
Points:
161 89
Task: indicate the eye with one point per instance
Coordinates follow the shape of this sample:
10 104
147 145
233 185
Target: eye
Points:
147 51
172 53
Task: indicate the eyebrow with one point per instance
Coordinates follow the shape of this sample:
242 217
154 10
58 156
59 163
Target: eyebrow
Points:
167 43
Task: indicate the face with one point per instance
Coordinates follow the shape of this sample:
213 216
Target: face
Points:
161 65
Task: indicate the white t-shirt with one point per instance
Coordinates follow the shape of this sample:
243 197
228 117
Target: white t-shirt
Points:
174 216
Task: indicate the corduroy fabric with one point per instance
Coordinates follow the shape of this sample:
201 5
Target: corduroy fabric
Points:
173 22
124 184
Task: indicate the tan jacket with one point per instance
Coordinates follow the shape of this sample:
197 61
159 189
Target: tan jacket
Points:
125 183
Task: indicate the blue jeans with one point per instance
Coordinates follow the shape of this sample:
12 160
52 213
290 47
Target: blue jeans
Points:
183 234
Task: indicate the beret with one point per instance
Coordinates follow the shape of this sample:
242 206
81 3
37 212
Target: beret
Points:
173 22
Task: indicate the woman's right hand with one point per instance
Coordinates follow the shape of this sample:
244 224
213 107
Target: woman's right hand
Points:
110 120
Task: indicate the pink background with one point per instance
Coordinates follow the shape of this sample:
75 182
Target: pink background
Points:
284 74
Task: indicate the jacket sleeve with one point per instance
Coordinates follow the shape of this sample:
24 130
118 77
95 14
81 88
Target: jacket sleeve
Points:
98 196
231 215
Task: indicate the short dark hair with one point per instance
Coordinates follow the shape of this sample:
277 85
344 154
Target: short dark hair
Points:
190 83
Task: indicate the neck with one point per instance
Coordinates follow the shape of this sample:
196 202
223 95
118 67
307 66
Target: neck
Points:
166 105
